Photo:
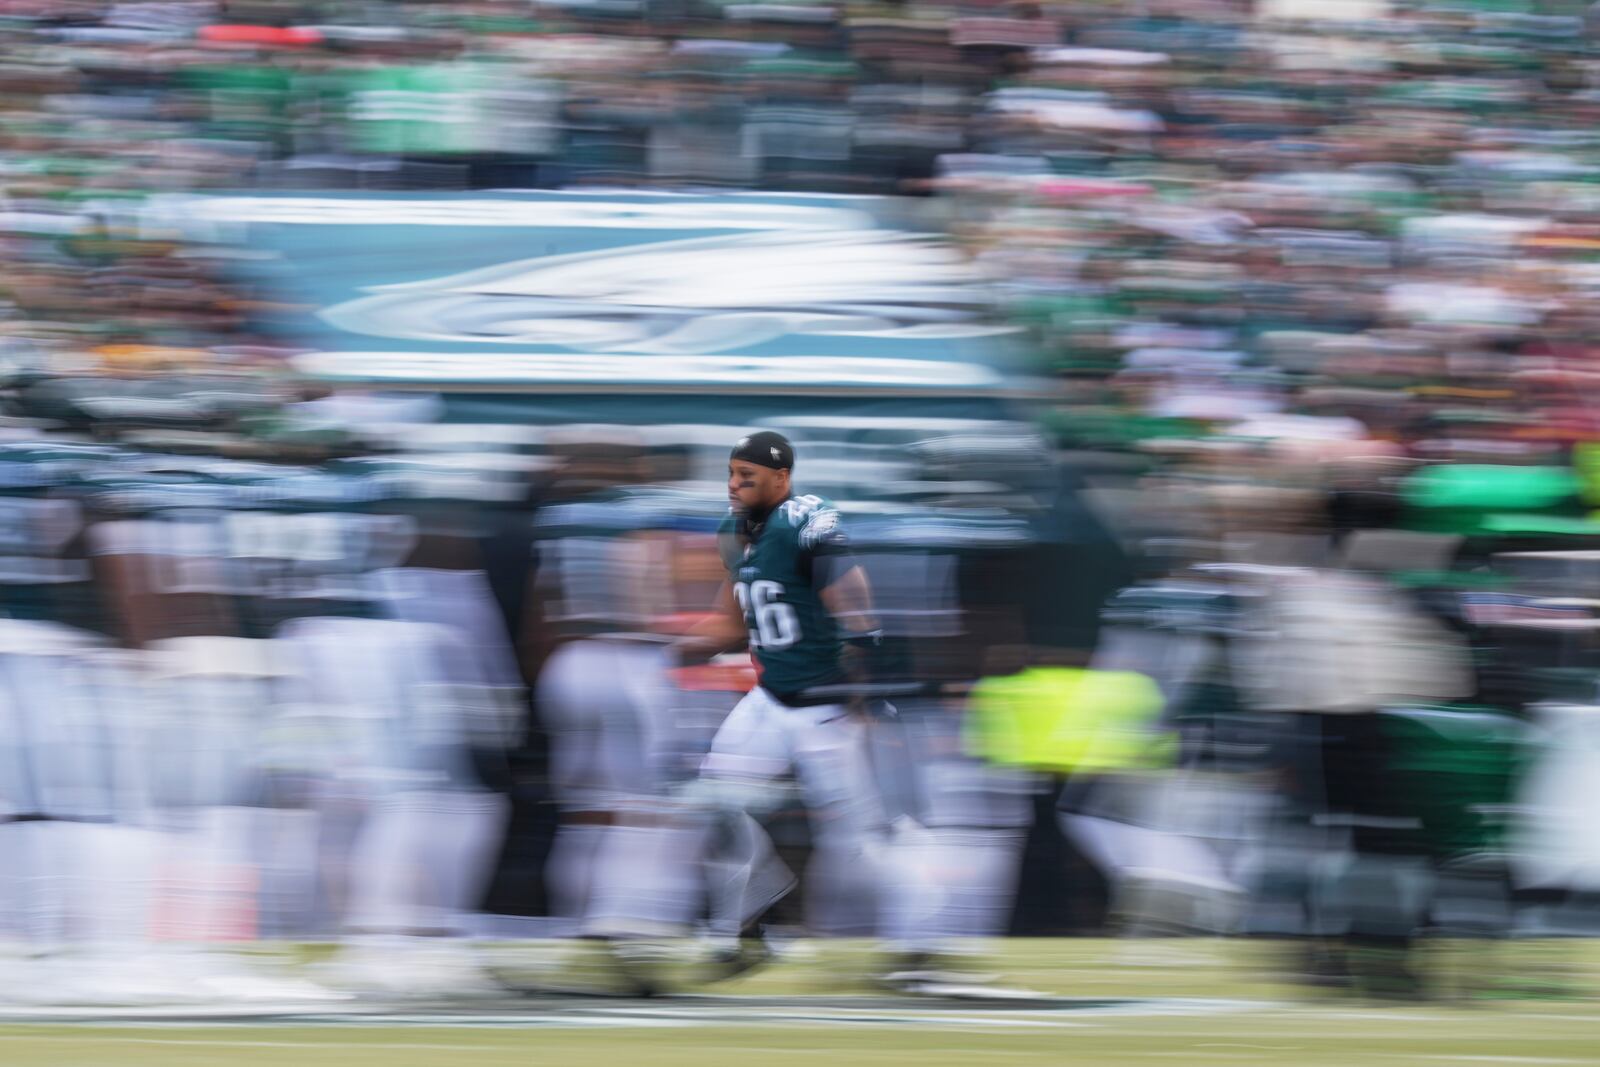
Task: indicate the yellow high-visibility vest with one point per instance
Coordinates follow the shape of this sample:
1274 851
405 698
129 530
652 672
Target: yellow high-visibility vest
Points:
1068 720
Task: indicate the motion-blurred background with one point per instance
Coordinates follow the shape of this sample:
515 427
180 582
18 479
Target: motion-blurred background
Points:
1205 384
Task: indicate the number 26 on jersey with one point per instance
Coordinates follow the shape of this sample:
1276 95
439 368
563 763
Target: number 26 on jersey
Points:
773 624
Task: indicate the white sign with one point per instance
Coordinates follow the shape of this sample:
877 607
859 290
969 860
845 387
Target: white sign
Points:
709 294
539 368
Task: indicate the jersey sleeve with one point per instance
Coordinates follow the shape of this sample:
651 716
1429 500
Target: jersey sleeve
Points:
822 531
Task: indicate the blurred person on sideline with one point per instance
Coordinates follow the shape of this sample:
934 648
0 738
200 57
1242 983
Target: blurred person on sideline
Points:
622 868
1335 653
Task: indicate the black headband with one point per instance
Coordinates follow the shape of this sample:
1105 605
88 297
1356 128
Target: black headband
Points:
765 449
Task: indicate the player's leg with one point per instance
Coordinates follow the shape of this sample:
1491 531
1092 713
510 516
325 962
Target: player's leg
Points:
742 777
829 746
749 754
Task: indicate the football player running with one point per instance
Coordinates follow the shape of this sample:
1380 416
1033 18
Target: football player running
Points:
804 606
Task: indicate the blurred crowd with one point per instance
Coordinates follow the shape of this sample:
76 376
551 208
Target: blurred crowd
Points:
1208 213
1284 621
1356 230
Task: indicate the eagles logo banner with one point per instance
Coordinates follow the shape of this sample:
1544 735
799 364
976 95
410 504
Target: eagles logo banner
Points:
550 291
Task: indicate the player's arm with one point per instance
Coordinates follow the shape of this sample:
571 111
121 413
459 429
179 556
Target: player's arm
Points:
848 596
842 585
725 628
721 631
840 581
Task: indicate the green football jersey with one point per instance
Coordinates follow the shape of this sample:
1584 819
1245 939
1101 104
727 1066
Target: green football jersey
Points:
793 637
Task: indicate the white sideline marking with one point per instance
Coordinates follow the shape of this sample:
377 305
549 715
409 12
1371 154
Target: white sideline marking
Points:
1495 1059
353 1046
793 1012
1187 1054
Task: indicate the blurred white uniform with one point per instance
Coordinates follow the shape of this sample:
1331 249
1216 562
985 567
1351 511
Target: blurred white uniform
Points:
407 698
1173 844
955 860
623 865
125 791
211 702
960 823
57 786
624 860
826 748
1556 842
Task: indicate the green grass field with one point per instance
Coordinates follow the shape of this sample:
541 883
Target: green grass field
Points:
1194 1002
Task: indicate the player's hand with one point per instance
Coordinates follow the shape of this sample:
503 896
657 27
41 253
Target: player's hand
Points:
853 663
692 651
855 657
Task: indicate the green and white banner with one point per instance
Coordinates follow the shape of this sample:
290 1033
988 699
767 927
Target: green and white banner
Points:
549 293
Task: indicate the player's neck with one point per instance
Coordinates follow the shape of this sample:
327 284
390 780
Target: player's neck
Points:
758 515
